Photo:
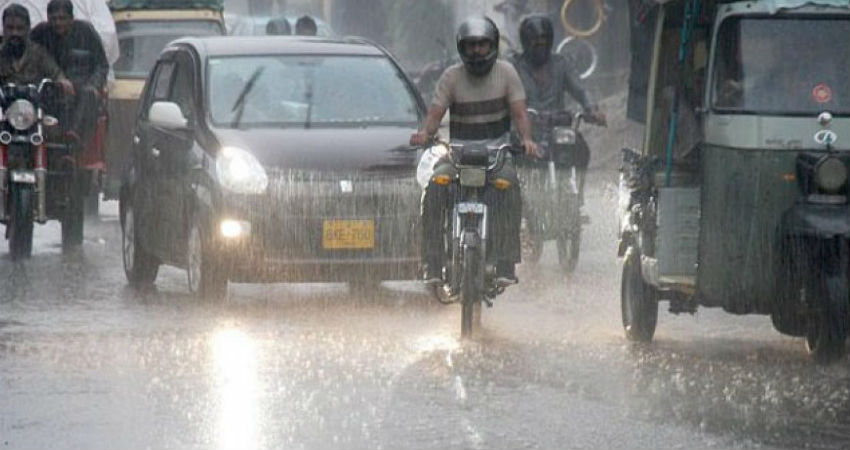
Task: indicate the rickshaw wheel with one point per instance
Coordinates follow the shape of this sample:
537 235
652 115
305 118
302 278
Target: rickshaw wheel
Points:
827 330
638 301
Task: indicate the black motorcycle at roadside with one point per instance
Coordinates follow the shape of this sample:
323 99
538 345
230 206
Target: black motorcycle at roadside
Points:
469 277
39 180
552 187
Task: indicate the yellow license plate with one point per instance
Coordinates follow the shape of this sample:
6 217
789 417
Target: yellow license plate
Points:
348 234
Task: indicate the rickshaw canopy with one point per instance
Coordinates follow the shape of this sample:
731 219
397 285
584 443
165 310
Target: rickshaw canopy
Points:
122 5
94 11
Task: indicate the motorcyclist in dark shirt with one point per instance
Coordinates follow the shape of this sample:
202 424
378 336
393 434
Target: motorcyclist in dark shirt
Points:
21 60
548 76
77 48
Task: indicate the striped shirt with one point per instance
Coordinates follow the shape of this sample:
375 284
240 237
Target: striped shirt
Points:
479 106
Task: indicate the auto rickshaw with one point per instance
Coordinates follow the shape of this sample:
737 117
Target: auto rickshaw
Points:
739 197
144 28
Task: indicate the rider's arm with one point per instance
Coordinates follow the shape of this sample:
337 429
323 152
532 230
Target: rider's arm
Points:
100 69
573 86
432 121
523 126
516 99
49 69
443 96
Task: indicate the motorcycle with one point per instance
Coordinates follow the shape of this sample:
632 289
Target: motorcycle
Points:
552 195
469 276
38 179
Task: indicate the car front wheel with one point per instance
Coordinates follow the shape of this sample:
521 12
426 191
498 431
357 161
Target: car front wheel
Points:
206 277
140 267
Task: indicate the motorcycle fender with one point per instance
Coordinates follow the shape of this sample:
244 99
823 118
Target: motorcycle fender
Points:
813 220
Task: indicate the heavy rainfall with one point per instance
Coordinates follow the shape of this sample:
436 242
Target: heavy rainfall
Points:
425 224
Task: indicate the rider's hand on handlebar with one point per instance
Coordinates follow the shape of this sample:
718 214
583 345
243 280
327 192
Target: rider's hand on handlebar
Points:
597 117
530 148
419 139
67 86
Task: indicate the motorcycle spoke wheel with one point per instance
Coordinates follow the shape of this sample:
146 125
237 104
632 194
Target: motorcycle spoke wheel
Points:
471 294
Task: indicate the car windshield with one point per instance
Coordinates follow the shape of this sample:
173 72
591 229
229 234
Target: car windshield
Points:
782 66
141 41
307 91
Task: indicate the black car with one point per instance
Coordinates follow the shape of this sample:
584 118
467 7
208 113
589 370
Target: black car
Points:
273 159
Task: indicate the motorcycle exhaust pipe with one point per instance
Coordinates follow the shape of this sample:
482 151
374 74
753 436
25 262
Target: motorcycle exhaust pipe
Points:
4 181
40 178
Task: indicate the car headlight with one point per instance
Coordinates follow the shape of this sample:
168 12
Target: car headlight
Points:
240 172
831 174
21 114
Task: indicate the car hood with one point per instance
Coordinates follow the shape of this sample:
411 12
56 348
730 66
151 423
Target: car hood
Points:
379 149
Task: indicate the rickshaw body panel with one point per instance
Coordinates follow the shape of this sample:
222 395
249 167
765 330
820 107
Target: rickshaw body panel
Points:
744 181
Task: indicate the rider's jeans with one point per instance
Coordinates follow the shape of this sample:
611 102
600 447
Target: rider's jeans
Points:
504 209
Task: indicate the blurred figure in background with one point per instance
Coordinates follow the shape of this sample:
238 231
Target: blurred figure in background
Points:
278 27
306 26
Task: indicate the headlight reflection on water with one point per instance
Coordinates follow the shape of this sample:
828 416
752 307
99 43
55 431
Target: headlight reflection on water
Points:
237 390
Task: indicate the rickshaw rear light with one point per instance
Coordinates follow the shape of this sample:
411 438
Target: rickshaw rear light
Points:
831 174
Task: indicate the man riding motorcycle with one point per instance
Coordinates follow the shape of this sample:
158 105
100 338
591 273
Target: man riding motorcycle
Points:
21 60
483 95
77 49
546 76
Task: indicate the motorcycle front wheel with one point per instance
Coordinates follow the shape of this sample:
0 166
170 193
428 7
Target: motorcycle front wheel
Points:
470 293
20 222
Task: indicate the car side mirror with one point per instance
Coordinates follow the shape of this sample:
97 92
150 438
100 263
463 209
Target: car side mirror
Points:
167 115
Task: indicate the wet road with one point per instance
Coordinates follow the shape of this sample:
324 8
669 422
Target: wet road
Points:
86 362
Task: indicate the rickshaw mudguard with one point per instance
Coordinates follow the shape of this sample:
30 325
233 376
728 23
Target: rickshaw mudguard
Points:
808 220
744 196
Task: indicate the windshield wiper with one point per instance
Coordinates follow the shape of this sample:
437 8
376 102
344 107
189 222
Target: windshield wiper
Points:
239 104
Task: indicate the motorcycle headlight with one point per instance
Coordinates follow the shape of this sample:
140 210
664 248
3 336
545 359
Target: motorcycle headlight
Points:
240 172
831 174
21 114
564 136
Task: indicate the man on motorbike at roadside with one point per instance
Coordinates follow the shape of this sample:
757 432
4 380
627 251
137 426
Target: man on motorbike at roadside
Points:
483 95
77 48
547 76
21 60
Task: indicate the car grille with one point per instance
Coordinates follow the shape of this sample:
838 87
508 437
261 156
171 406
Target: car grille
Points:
297 202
